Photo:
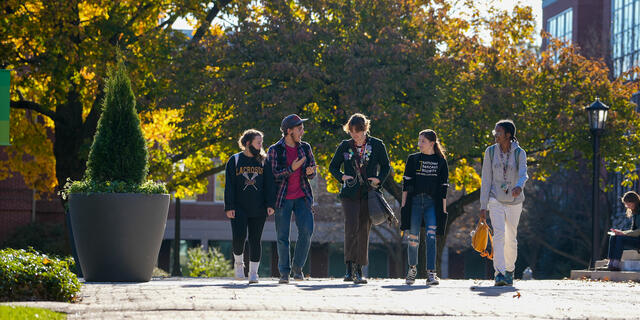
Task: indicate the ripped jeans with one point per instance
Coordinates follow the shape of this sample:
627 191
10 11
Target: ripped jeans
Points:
422 207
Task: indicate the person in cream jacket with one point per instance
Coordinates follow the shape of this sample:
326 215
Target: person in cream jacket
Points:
504 174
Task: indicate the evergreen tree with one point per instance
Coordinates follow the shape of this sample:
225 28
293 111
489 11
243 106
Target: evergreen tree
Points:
119 151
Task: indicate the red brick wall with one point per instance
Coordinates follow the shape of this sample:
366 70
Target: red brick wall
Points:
15 205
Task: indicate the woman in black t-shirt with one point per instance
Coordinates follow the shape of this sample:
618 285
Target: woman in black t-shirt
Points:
425 183
249 196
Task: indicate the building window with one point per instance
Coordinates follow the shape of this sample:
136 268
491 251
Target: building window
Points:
560 26
625 35
218 189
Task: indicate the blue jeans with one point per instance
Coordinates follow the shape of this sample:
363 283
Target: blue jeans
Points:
304 222
422 207
617 244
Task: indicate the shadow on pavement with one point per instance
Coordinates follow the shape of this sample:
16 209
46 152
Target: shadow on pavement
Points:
492 291
326 286
404 287
230 285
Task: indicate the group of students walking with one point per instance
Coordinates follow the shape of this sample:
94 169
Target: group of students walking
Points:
260 184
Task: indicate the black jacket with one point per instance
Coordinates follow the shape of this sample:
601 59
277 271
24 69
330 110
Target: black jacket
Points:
343 163
439 192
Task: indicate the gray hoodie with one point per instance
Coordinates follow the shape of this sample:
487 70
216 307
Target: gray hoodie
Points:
493 176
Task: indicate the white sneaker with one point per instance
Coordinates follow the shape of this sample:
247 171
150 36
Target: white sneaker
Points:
238 267
411 275
253 271
432 279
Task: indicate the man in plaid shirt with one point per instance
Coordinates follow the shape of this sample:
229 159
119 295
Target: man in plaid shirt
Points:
293 166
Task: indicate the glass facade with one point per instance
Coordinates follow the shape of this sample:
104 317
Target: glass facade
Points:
560 26
625 35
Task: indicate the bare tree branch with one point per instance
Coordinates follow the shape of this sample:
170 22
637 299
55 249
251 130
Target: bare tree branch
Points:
217 7
211 171
30 105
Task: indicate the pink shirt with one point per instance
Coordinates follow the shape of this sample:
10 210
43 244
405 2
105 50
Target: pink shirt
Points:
294 191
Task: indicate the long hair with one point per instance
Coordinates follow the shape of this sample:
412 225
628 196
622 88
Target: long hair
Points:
431 136
247 137
358 122
633 197
509 127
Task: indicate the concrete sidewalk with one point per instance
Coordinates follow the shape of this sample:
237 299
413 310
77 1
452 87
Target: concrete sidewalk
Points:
191 298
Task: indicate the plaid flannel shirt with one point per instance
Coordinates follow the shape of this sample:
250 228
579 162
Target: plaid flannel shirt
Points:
281 171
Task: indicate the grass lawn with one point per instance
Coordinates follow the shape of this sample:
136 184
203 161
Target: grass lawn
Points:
20 313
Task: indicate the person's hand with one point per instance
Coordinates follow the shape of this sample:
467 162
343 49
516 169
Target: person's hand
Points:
404 201
618 232
311 170
516 192
298 163
270 211
483 214
346 177
374 181
230 214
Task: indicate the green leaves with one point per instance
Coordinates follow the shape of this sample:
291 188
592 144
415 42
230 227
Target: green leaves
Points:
29 275
208 264
92 186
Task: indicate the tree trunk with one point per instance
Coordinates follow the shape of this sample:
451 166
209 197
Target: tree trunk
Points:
70 146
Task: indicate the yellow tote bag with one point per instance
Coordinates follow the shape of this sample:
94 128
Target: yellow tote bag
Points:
480 237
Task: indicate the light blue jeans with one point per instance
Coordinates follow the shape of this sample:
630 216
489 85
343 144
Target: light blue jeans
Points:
304 222
422 208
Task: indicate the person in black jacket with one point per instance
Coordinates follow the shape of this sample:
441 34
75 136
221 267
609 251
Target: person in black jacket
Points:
365 165
627 239
425 184
249 196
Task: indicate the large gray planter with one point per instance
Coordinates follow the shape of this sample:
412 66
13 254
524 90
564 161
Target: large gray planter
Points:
118 235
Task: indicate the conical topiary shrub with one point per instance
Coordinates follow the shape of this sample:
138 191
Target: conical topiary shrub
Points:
119 151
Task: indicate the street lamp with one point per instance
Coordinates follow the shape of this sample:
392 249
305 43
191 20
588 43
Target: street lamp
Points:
597 113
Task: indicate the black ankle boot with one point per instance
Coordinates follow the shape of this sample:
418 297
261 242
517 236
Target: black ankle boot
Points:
358 278
348 275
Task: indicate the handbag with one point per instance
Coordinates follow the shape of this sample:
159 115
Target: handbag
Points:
480 237
379 209
405 215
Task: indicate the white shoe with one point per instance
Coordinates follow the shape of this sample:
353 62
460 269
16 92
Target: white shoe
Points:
411 275
238 267
253 271
432 278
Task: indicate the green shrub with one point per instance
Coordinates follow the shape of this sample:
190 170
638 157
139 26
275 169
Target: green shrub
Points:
210 264
159 273
27 313
118 158
29 275
119 151
90 186
48 238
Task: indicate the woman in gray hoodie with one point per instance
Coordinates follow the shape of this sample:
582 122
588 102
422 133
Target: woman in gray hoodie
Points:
504 174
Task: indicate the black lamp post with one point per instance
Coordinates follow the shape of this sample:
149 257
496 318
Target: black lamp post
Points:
597 113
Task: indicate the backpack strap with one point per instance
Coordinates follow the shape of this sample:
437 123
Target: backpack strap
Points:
492 149
236 157
516 155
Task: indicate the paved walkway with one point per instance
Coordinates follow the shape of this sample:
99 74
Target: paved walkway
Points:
190 298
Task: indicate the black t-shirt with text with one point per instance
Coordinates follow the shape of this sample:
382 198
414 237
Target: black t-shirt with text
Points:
427 174
250 188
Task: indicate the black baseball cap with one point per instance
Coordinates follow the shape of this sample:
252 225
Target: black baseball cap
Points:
290 121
